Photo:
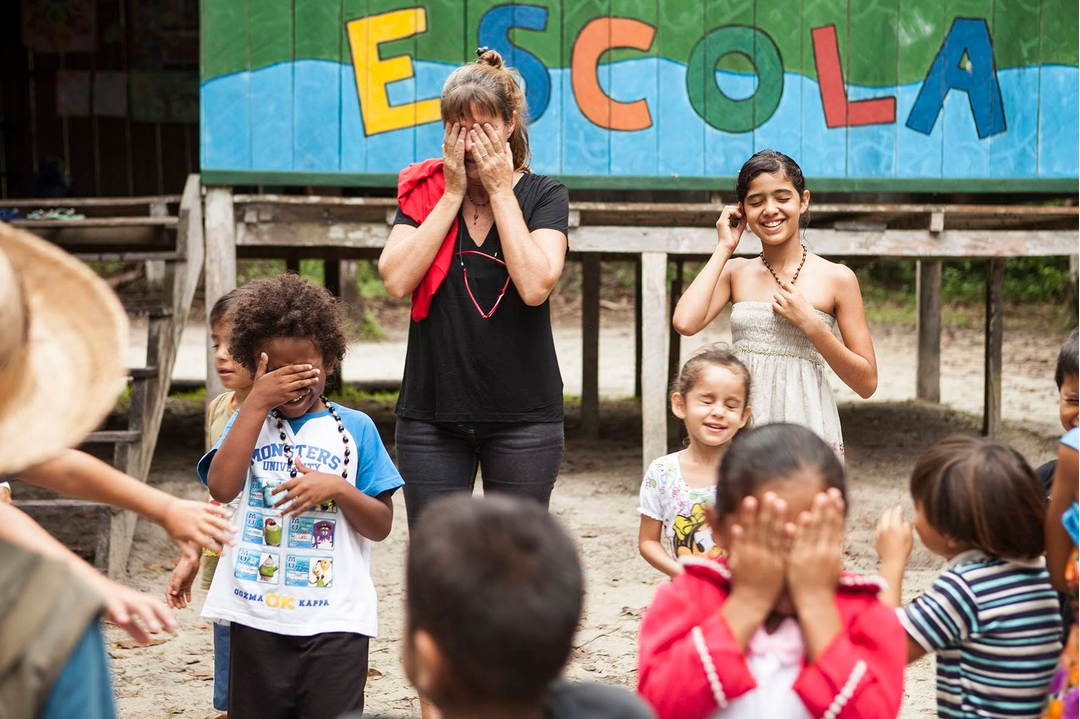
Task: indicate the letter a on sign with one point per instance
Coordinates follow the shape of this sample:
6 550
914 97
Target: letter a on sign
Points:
977 77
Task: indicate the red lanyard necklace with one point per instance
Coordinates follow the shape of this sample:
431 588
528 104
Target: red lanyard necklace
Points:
465 275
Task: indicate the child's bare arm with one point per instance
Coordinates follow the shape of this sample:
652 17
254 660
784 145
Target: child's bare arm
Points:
894 540
853 359
122 604
652 550
190 524
1062 495
710 291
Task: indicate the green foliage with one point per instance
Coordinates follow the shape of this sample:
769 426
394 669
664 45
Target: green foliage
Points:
370 330
1027 279
352 396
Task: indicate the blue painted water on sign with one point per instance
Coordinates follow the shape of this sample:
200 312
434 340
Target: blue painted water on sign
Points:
305 116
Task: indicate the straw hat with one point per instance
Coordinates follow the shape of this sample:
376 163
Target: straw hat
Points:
63 335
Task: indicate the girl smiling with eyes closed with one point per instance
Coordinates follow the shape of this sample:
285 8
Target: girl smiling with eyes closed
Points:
782 334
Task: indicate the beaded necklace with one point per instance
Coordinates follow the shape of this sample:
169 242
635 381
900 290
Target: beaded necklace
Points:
289 450
794 277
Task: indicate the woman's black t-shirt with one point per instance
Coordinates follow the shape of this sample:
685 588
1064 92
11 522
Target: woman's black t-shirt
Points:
460 367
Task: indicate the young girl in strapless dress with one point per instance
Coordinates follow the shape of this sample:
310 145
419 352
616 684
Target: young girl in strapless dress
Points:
782 334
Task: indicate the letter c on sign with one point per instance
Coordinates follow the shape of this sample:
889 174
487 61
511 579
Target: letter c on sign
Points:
710 102
596 38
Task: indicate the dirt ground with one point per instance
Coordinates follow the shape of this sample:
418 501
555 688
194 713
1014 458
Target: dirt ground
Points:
596 497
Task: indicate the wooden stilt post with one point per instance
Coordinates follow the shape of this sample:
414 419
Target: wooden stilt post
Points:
637 326
332 282
674 426
995 311
347 270
292 264
928 330
654 359
590 346
332 277
220 267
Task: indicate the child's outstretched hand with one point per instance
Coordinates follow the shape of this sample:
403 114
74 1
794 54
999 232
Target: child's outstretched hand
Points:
894 541
757 553
308 490
178 593
124 605
194 525
894 537
272 389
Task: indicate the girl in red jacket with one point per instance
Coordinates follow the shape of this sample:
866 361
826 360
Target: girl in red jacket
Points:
777 629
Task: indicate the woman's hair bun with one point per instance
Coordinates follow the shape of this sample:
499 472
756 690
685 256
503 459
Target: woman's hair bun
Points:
487 56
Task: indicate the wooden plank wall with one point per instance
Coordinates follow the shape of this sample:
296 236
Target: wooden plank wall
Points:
106 156
868 95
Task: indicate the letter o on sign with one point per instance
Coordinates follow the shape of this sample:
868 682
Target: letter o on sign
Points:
710 102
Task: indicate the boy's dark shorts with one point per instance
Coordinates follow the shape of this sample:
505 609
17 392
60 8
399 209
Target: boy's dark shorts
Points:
276 676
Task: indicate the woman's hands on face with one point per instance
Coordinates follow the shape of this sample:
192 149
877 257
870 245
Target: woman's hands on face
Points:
454 159
493 158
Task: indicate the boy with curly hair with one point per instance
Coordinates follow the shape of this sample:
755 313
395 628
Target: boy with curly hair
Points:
314 485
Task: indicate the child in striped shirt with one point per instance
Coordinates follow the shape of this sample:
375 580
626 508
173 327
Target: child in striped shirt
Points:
992 617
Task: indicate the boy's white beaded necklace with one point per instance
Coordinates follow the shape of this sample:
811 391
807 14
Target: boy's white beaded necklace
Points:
293 472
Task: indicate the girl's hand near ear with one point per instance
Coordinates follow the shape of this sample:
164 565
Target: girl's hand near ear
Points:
726 234
757 555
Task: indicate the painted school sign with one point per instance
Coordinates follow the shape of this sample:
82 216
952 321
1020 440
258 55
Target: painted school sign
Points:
884 94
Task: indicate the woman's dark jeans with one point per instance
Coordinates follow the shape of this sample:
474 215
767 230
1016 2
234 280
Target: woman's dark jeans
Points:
437 459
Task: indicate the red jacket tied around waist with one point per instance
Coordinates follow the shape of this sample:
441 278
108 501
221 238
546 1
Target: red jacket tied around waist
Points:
420 186
690 664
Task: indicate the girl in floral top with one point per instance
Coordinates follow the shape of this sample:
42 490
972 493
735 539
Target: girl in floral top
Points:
711 398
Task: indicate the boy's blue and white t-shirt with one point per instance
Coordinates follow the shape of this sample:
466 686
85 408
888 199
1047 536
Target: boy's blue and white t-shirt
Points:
310 574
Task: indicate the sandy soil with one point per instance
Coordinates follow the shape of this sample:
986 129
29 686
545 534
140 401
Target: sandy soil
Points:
596 498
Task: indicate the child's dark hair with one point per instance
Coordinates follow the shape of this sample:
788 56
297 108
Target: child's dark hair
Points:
287 306
225 304
1067 359
982 493
497 584
711 355
774 453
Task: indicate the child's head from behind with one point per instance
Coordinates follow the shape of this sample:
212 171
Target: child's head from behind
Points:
772 193
233 375
1067 376
975 493
712 396
292 322
785 460
494 595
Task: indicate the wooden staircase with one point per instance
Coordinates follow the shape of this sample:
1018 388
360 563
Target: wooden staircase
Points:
129 229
